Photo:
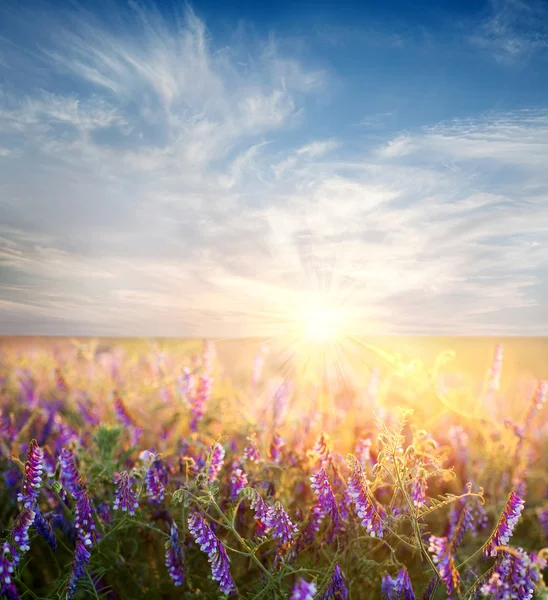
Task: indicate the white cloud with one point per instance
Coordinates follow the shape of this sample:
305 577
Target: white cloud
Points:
172 189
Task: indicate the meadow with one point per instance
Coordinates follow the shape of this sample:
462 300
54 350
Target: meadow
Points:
387 468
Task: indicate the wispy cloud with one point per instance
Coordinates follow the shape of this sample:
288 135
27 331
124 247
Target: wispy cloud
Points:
514 30
177 188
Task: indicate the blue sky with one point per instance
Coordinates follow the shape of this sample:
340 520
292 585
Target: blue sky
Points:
218 168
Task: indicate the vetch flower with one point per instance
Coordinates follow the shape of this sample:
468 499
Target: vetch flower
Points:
43 527
251 451
7 569
326 498
505 526
514 577
33 476
79 563
398 587
303 590
368 510
280 524
275 451
83 521
216 461
214 549
174 556
69 472
125 497
238 480
337 589
20 532
199 400
154 487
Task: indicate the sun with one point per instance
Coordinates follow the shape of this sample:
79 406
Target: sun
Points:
319 327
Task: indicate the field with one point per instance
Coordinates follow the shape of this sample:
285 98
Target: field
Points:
386 468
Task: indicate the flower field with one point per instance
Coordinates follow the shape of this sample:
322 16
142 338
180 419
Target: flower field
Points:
204 470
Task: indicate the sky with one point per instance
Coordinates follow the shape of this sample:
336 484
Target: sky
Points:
216 169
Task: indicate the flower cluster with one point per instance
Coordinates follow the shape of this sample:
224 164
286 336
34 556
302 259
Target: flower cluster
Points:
214 549
370 512
33 476
174 557
337 588
397 588
327 502
514 577
303 590
125 498
505 526
251 451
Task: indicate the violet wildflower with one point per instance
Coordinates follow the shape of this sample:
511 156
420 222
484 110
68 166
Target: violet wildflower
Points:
370 513
280 524
314 520
125 498
505 526
7 569
275 451
69 472
83 520
185 384
397 587
43 527
261 509
514 577
336 589
154 487
251 452
126 419
214 549
33 476
363 450
20 531
543 519
199 400
326 498
238 481
419 485
174 556
216 461
442 551
303 590
79 563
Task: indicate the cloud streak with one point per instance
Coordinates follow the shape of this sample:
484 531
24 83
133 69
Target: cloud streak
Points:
176 188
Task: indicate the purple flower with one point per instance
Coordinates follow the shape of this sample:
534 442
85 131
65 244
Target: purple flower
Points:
83 520
326 498
505 526
43 527
33 476
7 569
127 420
303 590
20 531
395 588
251 452
69 472
154 487
541 393
419 485
214 549
543 519
370 513
280 524
174 557
81 559
238 481
261 509
199 400
336 590
216 461
125 497
441 549
315 517
514 577
275 451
